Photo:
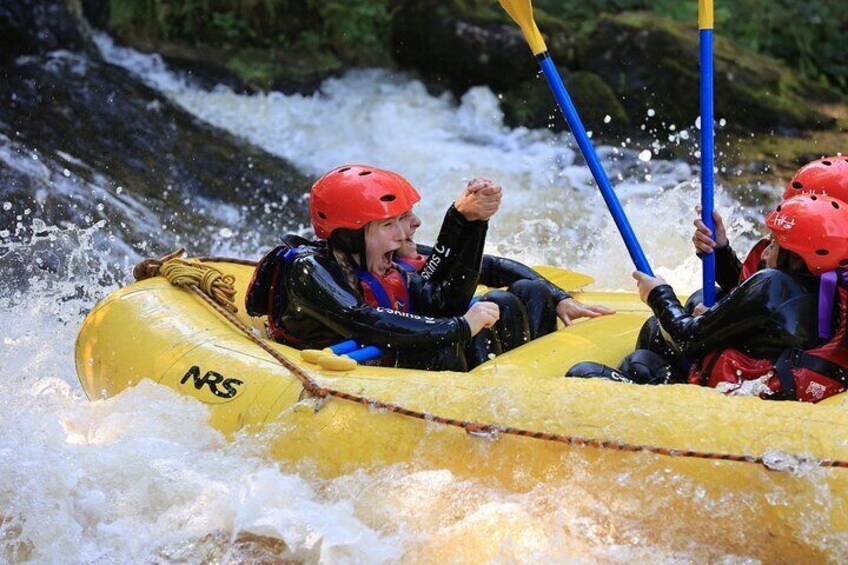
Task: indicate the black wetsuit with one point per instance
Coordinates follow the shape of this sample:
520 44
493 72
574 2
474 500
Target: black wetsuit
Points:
768 313
527 305
728 268
319 308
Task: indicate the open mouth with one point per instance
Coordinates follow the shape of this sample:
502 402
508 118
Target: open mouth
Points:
386 261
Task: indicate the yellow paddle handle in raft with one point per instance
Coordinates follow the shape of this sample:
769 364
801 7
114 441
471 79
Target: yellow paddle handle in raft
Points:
326 359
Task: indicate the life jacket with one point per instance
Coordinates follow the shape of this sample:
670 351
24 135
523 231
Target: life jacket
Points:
264 297
411 264
753 262
807 375
386 291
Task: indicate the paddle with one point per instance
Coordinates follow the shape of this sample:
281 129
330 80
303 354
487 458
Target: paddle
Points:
351 349
522 12
705 32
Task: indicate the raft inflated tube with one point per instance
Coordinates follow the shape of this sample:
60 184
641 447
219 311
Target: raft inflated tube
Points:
697 435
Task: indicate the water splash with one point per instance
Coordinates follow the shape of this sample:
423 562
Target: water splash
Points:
142 477
390 120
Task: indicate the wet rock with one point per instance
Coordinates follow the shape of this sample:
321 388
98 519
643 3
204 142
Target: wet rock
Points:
39 26
532 104
84 144
96 12
244 70
467 43
652 62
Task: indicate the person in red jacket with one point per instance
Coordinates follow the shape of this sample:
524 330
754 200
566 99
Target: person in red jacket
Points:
779 334
347 286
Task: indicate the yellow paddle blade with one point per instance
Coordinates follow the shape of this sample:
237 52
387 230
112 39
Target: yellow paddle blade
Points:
522 12
705 14
563 278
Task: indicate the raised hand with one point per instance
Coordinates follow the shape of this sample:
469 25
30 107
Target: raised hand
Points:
480 200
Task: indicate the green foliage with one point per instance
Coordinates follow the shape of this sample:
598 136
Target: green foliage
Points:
346 28
349 26
809 36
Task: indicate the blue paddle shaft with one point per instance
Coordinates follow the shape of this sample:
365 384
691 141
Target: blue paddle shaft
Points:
344 347
365 354
588 150
707 159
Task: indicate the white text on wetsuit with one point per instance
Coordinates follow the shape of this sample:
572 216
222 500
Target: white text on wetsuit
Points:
435 260
426 319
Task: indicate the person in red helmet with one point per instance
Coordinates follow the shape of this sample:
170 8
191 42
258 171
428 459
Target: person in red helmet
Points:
827 176
347 286
779 334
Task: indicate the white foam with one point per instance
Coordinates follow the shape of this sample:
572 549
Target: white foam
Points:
389 120
143 478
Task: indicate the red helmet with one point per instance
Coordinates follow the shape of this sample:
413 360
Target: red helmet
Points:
350 196
815 227
826 176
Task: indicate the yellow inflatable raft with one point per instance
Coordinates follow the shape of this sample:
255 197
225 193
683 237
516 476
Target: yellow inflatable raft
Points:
750 477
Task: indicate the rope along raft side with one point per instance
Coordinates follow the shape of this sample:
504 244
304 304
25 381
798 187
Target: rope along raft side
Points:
217 290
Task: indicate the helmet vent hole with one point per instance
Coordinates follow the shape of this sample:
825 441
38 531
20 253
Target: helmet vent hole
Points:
813 197
827 163
388 198
835 205
779 207
822 252
843 263
797 185
343 170
322 215
364 173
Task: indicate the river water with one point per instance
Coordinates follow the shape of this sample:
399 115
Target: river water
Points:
141 478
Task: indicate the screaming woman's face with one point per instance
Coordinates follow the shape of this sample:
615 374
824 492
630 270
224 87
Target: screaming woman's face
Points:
382 239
